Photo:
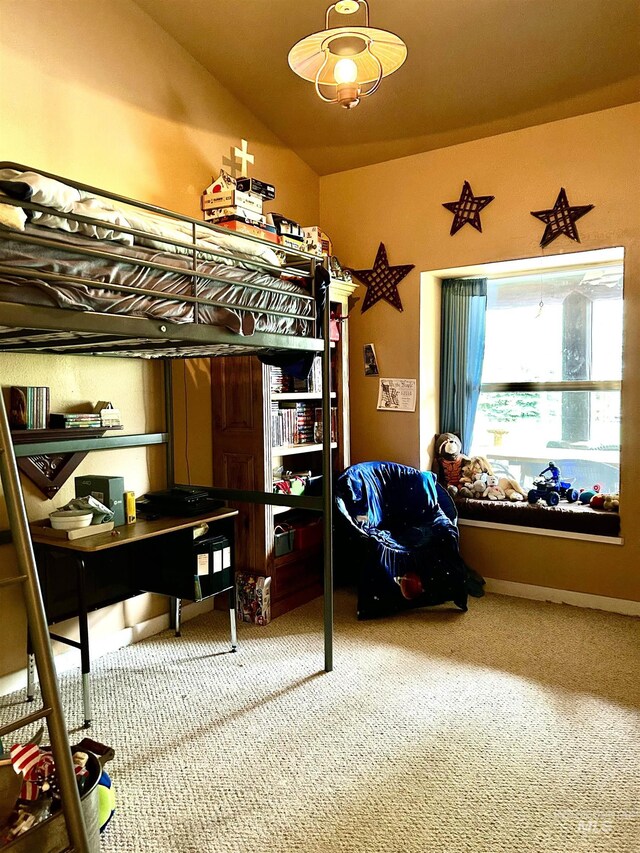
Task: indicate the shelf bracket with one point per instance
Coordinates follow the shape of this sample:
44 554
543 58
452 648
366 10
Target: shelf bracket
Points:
50 471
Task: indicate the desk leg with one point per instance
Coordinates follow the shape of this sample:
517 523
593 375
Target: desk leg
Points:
175 615
83 626
232 617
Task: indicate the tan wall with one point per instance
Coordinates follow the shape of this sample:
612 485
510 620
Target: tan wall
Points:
596 158
97 91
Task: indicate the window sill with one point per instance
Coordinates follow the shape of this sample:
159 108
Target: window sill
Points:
566 520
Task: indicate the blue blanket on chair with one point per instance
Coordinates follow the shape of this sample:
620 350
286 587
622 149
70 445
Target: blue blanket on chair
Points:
398 527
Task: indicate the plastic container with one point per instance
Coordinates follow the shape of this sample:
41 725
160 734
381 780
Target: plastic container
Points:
283 539
70 519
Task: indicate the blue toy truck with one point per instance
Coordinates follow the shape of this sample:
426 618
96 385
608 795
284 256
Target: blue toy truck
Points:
551 489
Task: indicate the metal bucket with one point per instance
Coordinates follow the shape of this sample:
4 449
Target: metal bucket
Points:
51 836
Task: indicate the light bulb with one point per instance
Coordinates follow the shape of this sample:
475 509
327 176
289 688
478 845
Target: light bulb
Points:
346 71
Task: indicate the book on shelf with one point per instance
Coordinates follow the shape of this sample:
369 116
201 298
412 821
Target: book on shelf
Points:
279 382
292 423
318 426
28 406
69 420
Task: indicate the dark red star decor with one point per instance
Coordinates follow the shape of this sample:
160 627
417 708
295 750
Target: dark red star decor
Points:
382 281
561 218
467 208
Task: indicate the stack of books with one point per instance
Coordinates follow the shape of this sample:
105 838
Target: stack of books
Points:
74 420
292 424
28 407
304 423
237 205
279 382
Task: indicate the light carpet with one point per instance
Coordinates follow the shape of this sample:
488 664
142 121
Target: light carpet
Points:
513 727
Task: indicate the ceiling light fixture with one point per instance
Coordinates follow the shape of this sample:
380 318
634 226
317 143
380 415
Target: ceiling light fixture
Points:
347 63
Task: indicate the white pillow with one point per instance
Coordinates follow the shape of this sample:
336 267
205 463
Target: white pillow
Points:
30 186
12 216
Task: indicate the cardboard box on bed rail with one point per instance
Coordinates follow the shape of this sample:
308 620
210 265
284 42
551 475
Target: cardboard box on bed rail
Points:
317 241
241 227
253 185
222 213
232 198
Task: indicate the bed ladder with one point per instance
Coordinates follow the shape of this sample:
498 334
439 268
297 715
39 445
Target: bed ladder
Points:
51 710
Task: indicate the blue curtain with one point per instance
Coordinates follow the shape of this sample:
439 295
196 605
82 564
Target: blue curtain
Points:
464 307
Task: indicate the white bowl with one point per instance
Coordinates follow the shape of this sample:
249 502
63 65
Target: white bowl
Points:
70 519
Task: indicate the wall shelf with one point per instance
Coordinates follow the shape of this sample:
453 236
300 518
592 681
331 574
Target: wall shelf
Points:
48 457
290 449
300 395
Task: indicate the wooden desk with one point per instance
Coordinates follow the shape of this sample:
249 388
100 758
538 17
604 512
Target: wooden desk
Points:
160 556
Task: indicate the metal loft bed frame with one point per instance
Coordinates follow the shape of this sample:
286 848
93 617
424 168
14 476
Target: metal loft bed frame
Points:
43 329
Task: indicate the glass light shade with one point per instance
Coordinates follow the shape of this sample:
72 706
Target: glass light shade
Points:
314 54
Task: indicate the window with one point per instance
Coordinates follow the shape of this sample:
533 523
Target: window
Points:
552 372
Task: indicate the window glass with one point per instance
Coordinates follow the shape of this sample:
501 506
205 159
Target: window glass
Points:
553 326
523 432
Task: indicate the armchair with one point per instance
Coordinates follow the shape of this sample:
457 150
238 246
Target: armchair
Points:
398 528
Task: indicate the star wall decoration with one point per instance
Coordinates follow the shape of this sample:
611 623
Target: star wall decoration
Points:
467 208
561 219
382 281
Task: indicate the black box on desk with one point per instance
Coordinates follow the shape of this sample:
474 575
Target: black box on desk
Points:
108 490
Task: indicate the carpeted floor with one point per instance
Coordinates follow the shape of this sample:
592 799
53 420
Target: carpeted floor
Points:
513 727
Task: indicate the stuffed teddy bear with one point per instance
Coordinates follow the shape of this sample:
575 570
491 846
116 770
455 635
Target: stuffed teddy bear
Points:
450 459
513 491
476 489
493 491
474 466
611 503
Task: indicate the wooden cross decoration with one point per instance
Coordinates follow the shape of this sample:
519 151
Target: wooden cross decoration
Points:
243 155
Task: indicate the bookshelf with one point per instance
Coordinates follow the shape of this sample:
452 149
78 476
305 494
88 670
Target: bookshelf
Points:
249 444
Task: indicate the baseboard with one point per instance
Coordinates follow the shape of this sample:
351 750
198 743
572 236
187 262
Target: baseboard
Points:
563 596
101 645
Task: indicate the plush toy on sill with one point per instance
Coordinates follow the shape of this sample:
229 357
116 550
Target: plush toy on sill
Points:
474 466
513 491
610 503
476 489
586 494
493 492
450 459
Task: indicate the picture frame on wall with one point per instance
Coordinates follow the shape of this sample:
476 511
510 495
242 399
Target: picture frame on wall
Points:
370 360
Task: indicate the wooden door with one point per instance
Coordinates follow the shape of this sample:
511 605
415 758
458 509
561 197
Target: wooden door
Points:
241 458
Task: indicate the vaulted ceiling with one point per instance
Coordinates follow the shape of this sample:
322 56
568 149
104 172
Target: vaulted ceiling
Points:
474 68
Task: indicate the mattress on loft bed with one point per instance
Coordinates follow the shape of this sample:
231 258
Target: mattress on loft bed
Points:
242 312
81 216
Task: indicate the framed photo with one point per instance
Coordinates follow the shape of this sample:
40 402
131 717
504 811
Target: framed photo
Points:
370 360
